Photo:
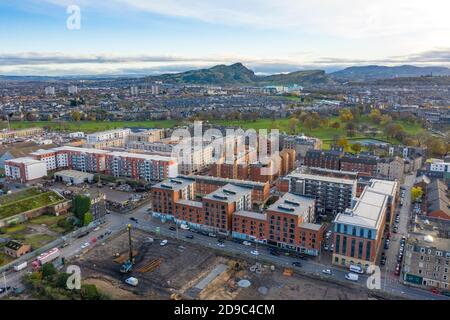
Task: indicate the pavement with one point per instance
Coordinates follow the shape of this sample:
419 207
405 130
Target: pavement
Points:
117 222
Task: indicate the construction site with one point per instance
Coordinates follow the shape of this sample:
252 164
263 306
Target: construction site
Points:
181 270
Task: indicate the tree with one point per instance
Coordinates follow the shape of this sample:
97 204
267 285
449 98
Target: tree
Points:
80 205
343 142
416 193
375 115
48 270
76 115
293 124
385 119
356 147
87 218
345 115
335 125
308 123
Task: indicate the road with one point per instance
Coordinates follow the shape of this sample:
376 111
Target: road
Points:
116 222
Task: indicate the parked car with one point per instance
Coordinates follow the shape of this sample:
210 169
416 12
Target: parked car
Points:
397 269
221 245
327 271
163 243
326 248
134 219
435 291
297 264
189 236
274 252
351 276
254 252
172 228
246 243
213 235
85 245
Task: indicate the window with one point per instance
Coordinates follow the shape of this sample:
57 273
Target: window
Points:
360 249
368 250
352 248
338 243
439 253
344 245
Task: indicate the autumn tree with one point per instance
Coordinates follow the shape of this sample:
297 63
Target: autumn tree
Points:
375 115
345 115
416 193
356 147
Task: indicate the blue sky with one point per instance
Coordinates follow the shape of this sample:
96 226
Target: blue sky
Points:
149 36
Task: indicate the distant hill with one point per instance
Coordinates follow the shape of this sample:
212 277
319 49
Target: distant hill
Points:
238 74
367 73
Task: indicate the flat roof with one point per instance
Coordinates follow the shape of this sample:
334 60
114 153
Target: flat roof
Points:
292 204
320 178
25 160
251 215
191 203
367 212
174 184
74 174
226 180
140 156
383 186
311 226
41 151
228 193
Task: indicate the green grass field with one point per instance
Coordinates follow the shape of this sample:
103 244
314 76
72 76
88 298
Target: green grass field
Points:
92 126
325 133
16 196
25 204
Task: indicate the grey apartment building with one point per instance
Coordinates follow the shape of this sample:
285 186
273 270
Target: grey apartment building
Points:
333 195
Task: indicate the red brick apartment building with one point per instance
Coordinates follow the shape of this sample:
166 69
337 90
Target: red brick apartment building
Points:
227 210
360 163
323 159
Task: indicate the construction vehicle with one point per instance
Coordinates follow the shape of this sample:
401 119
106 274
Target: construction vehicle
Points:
127 266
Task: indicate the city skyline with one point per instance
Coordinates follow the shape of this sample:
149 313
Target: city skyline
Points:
151 37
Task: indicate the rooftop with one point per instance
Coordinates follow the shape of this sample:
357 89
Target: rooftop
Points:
292 204
384 186
327 178
311 226
228 193
26 160
251 215
191 203
74 174
174 184
368 211
14 245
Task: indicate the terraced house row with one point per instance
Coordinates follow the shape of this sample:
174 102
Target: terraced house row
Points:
228 210
118 164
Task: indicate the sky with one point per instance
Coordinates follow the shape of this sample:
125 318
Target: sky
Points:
42 37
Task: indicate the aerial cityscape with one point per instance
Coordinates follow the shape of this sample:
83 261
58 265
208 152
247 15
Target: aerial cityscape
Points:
241 151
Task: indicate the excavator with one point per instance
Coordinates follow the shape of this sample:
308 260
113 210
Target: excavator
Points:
127 266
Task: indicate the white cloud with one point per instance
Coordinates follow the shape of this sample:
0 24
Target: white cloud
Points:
343 18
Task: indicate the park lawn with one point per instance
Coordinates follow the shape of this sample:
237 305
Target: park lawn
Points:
92 126
262 123
38 240
30 203
19 195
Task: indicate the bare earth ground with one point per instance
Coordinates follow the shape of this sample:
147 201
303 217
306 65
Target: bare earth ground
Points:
185 264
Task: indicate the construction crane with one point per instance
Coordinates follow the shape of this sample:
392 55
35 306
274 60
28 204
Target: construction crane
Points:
128 265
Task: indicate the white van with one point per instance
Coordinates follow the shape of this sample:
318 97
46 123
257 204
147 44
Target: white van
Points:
132 281
351 276
184 227
356 269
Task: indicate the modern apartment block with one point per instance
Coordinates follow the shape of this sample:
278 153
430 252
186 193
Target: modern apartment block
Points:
301 144
284 219
108 135
119 164
220 205
145 136
426 262
332 194
25 169
228 210
206 184
27 132
359 230
323 159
